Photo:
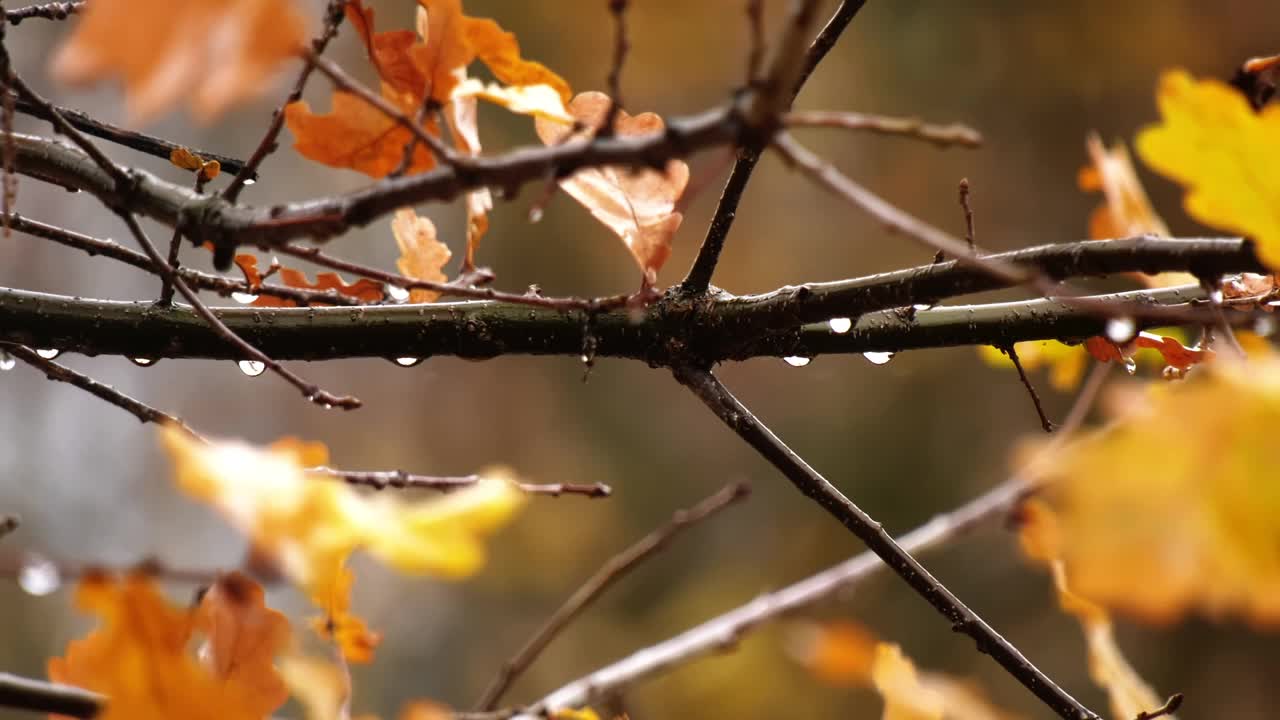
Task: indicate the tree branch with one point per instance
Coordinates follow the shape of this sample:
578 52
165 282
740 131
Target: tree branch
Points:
740 419
613 570
38 696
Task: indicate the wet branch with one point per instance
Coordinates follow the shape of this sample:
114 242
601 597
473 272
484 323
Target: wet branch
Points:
739 418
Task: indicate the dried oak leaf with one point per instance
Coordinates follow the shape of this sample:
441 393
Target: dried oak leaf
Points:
1172 351
356 135
244 636
339 625
211 53
838 653
364 289
1168 509
1226 156
639 206
310 523
140 658
1128 693
422 255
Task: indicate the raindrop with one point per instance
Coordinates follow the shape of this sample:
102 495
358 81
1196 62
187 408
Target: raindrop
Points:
797 360
39 576
6 361
878 358
407 361
1264 327
252 368
143 361
250 181
397 293
1173 372
243 298
1130 365
535 214
920 306
1121 329
1216 296
49 353
840 325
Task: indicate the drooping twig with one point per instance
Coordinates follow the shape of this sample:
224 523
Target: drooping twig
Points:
148 144
621 46
48 11
175 246
940 135
22 693
739 418
62 373
724 632
267 145
609 573
311 392
698 278
969 236
400 479
1012 352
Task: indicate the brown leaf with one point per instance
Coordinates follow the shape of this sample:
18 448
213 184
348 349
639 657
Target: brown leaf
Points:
364 289
422 256
244 636
356 135
210 53
637 205
1176 355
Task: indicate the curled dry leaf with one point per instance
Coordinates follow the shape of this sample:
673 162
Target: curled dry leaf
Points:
422 255
1212 142
309 523
210 53
1169 509
463 122
364 289
140 656
1128 693
638 205
357 136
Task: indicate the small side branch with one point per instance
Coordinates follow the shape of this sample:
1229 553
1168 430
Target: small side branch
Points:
399 479
1012 352
47 11
739 418
612 571
940 135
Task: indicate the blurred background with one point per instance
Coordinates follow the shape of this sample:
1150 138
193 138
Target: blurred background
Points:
905 440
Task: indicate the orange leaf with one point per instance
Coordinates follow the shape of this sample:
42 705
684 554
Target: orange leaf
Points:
139 659
1126 211
356 135
422 256
338 625
211 53
244 636
837 653
463 123
1175 354
637 205
364 289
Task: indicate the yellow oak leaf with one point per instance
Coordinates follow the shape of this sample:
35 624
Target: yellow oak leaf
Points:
639 206
1226 155
140 657
422 255
905 697
309 523
1167 510
210 53
322 688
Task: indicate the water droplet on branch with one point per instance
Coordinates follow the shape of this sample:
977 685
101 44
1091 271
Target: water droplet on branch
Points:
878 358
6 361
797 360
49 353
244 298
840 325
1121 329
252 368
143 362
397 293
39 576
407 361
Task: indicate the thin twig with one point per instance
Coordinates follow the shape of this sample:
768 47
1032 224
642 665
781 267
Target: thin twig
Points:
739 419
755 56
175 246
311 392
22 693
267 145
969 236
698 279
222 285
725 631
940 135
1012 352
1170 707
621 46
60 123
47 11
400 479
61 373
612 571
143 143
